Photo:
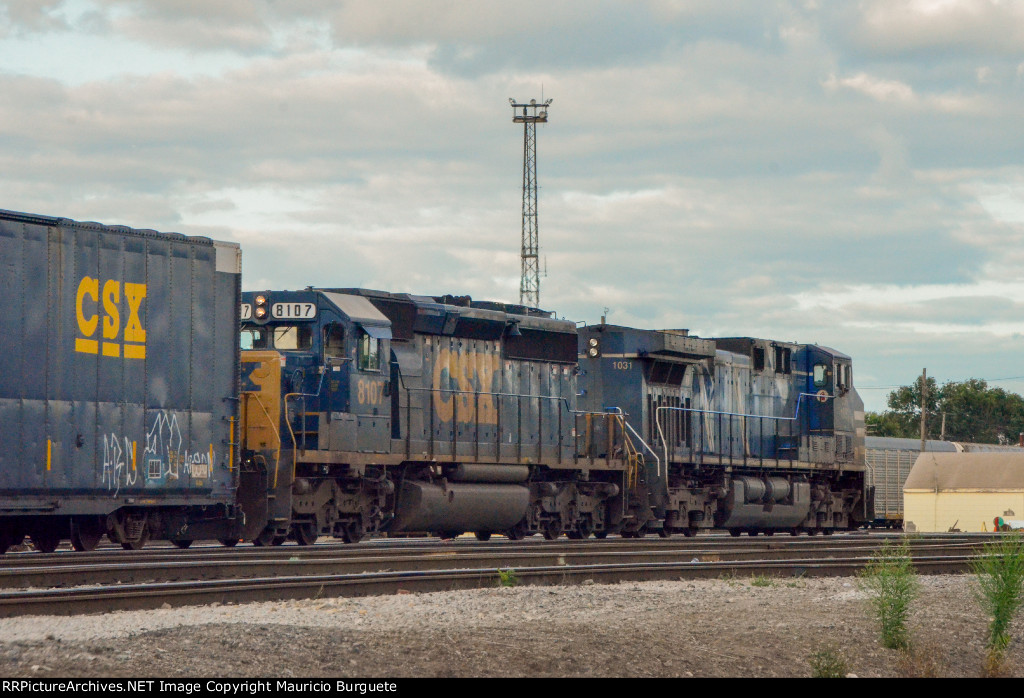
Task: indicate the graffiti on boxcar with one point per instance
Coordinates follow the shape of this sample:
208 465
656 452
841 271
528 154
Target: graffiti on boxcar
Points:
165 457
198 464
163 448
463 382
118 463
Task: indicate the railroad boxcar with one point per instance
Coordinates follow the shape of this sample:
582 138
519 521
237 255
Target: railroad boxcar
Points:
118 396
738 433
371 411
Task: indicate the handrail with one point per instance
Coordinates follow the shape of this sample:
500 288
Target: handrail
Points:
455 392
622 417
288 421
796 415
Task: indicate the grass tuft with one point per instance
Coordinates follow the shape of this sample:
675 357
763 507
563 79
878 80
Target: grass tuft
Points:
828 663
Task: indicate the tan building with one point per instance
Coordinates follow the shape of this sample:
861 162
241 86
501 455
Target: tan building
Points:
966 491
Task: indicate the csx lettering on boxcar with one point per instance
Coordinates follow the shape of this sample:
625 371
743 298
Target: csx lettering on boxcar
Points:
88 316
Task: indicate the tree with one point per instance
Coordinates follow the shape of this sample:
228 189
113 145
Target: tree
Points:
974 412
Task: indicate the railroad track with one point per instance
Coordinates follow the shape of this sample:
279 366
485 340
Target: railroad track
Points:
101 582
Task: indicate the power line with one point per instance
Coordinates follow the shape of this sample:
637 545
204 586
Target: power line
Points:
894 387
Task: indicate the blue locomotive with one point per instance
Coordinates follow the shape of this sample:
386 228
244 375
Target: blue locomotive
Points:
744 434
368 411
132 410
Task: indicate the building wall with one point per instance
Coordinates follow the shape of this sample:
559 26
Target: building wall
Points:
937 512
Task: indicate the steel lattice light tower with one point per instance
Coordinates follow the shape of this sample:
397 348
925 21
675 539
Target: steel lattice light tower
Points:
529 115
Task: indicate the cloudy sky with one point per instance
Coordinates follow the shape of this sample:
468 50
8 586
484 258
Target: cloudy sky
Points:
847 173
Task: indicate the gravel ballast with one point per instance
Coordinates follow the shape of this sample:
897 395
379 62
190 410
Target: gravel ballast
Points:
755 627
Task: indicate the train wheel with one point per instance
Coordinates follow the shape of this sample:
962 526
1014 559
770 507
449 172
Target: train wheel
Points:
305 533
137 543
735 532
769 532
265 538
45 541
182 543
827 531
5 541
794 531
228 542
279 540
84 538
551 529
812 531
353 531
601 534
517 532
753 532
483 536
664 532
689 532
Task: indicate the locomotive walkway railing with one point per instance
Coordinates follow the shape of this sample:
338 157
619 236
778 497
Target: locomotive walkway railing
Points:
559 405
696 447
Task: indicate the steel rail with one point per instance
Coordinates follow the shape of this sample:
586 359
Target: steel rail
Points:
148 596
155 553
109 573
216 553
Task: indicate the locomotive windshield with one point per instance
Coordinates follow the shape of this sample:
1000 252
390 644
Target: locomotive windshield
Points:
282 337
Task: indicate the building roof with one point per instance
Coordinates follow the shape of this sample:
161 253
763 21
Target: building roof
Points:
950 472
891 443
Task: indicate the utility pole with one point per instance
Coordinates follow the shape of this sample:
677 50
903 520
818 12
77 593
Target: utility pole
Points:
529 115
924 406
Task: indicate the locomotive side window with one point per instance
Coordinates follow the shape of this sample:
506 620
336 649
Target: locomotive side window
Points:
820 375
843 377
293 337
334 340
253 338
369 352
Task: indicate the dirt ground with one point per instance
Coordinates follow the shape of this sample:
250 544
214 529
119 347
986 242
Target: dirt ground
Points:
716 628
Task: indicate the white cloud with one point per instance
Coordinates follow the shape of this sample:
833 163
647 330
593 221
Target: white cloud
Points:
876 88
788 170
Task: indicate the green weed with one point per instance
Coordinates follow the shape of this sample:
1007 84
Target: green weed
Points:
507 578
889 578
1000 573
762 580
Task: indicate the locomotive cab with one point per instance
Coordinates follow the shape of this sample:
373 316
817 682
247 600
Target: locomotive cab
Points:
833 408
335 372
316 409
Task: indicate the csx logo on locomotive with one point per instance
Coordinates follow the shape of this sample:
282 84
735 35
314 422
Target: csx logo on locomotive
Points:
90 303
